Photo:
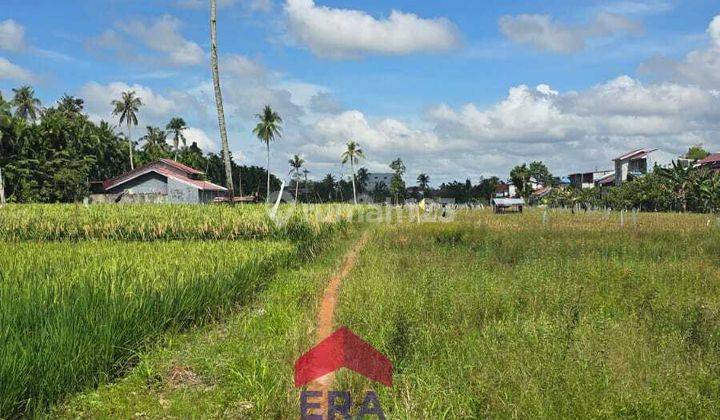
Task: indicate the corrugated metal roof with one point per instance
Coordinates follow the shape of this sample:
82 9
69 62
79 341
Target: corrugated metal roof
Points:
508 202
635 154
712 158
174 170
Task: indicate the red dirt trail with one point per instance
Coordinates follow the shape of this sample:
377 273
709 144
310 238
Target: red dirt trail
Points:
325 323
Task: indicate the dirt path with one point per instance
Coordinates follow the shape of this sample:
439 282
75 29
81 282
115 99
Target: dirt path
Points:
326 315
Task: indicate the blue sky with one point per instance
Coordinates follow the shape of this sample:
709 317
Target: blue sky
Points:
456 88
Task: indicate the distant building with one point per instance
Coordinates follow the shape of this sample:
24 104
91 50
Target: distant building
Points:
633 165
711 162
588 179
378 178
162 181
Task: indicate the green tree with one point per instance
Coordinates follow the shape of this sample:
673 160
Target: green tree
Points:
296 164
267 130
127 109
363 176
176 126
680 179
397 185
423 182
353 154
520 178
155 144
541 173
696 153
70 105
27 106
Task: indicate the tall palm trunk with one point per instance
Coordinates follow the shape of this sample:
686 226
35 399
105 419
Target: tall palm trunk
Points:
219 102
267 195
177 148
2 190
297 186
130 145
352 168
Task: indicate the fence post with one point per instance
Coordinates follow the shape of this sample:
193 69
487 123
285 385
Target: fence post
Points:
622 218
2 190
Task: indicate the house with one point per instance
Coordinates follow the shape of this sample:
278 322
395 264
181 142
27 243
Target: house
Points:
711 162
588 179
162 181
501 205
505 189
606 181
378 178
633 165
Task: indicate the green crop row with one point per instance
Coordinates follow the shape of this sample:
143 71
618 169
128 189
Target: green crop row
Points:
170 222
74 314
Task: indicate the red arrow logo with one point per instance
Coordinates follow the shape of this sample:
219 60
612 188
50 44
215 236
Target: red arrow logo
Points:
343 349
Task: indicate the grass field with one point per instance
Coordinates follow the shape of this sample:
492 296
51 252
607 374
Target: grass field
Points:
84 289
518 315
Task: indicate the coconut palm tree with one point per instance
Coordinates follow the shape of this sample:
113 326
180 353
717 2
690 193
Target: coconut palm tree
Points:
27 106
70 105
267 130
219 103
296 163
353 154
175 127
423 182
127 109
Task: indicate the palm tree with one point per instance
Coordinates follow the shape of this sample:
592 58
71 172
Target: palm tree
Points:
296 163
70 105
353 154
306 172
176 126
127 109
219 103
27 106
423 182
155 146
267 130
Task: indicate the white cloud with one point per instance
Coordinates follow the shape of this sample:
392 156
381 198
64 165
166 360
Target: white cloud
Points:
12 71
541 32
700 67
346 33
197 135
164 36
12 36
156 107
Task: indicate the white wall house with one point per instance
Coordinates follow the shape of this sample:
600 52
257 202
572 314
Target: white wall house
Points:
633 164
378 178
588 179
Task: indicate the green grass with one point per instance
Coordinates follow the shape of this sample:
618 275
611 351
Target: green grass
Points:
486 316
52 222
239 368
564 320
83 289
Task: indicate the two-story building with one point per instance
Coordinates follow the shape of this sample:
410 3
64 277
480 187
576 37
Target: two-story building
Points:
633 165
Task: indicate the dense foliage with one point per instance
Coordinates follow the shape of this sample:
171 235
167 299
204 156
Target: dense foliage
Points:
48 155
666 189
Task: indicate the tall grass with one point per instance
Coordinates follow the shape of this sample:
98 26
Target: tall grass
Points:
169 222
495 316
73 315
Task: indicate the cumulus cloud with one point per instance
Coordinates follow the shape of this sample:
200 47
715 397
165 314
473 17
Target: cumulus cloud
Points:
589 126
347 33
12 71
159 36
12 36
197 135
543 33
700 67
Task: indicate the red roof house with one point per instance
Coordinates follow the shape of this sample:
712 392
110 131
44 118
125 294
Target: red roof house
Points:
178 183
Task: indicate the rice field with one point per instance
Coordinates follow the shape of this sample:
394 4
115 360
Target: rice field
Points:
42 222
84 289
541 314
